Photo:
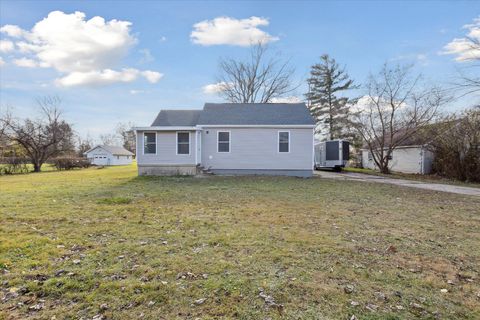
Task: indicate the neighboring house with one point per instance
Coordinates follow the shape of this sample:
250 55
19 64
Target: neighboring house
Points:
412 156
229 138
109 156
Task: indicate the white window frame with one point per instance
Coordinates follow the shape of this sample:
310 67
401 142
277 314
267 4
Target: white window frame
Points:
143 143
229 141
278 141
176 144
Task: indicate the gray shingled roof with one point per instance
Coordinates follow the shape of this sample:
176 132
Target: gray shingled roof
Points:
238 114
177 118
255 114
115 150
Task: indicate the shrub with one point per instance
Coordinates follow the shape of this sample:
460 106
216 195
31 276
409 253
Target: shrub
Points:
456 147
12 165
69 163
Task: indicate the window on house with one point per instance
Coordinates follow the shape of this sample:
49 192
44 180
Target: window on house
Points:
183 143
223 139
149 143
118 157
283 141
370 156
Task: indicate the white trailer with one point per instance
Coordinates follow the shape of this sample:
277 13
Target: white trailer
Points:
333 154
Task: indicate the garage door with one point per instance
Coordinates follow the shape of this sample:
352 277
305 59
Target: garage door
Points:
100 160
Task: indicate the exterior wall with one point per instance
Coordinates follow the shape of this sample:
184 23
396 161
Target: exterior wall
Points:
99 157
427 161
257 149
105 158
166 150
121 160
407 160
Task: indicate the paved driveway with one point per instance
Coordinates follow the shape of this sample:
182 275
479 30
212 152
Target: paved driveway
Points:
401 182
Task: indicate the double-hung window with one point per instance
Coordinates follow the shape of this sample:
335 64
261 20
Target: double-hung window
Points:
183 142
149 143
223 141
283 141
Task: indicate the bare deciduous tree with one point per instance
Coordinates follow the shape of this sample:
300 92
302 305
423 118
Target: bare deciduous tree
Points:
469 81
259 79
41 138
124 130
395 107
109 139
83 145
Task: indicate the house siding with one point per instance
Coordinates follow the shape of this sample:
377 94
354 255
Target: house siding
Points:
166 150
254 149
166 161
406 160
121 160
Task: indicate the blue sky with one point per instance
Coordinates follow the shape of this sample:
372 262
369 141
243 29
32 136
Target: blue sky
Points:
360 35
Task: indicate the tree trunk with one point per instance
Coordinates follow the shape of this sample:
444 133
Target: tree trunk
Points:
37 167
331 124
384 167
385 170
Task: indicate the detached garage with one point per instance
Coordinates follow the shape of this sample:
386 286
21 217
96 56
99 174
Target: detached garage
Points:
109 156
407 159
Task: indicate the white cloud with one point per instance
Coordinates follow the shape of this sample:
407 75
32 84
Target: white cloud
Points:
291 99
420 58
84 51
368 104
25 62
463 48
214 88
133 91
106 77
151 76
2 62
6 46
231 31
146 56
12 31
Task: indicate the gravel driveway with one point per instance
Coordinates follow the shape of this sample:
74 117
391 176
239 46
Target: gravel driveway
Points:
400 182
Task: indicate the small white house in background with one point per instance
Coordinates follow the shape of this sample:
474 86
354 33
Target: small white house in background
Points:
415 159
109 156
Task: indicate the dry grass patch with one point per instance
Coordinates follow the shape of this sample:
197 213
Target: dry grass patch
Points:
108 243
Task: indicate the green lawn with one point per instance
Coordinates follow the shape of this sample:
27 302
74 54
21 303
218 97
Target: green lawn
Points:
106 242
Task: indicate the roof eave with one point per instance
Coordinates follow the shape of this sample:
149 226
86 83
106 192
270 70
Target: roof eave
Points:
165 128
293 126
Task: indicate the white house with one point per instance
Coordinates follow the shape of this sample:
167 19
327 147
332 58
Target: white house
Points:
109 156
229 138
415 159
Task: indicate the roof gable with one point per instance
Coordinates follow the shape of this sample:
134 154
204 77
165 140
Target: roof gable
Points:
176 118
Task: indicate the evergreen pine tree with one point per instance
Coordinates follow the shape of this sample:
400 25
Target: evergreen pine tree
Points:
327 80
